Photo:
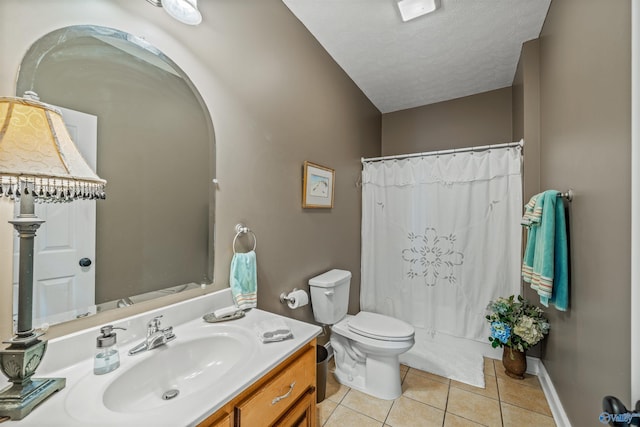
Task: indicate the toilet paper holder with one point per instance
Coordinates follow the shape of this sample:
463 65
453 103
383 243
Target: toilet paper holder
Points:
284 297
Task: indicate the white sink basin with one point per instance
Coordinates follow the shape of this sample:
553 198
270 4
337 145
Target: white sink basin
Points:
160 381
175 371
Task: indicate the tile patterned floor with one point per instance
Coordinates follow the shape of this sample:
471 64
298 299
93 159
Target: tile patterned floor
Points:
431 400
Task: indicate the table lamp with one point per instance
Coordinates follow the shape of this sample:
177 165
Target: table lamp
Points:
38 162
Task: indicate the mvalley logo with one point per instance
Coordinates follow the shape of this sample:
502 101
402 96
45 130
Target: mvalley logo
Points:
627 417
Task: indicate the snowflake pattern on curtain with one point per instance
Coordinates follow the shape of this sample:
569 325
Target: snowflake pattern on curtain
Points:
432 256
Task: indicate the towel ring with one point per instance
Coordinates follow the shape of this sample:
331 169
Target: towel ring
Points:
243 229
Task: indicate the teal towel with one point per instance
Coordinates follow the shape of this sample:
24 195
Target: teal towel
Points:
531 220
243 280
560 295
545 263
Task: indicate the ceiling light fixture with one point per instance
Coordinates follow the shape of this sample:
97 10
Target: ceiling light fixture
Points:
185 11
411 9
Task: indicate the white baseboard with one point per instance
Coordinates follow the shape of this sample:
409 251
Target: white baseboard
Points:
536 367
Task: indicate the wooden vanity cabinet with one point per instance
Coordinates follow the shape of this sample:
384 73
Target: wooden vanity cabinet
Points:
286 396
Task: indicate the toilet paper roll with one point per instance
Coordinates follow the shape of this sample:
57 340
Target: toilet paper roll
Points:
297 299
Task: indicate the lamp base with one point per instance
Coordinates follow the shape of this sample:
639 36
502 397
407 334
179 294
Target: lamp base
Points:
19 362
17 401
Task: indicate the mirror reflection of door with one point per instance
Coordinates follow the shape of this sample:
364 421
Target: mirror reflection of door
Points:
63 288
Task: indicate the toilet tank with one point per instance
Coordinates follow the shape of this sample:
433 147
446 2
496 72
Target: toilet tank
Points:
330 296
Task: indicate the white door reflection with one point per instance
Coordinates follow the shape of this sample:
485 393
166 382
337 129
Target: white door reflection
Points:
63 289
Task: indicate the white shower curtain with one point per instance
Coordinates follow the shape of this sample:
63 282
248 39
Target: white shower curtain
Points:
441 237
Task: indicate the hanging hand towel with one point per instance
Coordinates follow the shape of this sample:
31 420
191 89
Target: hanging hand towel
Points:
545 264
560 294
531 220
533 211
243 279
543 261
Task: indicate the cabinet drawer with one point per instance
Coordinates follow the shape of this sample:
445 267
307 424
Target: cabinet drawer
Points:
302 414
271 400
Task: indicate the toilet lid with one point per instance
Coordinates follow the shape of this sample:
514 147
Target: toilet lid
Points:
380 327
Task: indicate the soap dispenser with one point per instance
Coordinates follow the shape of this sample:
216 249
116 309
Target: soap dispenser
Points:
107 357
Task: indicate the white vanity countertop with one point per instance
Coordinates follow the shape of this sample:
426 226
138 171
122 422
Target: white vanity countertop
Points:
80 403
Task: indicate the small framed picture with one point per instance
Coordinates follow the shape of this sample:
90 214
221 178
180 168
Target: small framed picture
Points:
317 186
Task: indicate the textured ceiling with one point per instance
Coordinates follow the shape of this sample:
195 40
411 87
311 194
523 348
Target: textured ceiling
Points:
463 48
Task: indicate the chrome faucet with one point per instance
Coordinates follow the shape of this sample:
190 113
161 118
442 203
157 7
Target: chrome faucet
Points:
124 302
155 337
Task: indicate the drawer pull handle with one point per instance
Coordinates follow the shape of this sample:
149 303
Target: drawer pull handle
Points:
284 396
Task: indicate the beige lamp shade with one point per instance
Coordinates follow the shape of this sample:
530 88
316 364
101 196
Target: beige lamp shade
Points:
37 154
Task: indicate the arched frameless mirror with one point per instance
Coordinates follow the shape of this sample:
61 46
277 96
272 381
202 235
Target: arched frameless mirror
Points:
155 147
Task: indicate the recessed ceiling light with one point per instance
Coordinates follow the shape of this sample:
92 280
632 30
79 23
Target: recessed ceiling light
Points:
411 9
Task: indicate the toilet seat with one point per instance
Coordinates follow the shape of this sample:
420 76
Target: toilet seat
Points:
380 327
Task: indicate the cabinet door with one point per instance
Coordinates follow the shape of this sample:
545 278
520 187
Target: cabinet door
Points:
269 402
302 414
217 420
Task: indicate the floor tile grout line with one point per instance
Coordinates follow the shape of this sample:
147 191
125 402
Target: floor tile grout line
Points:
424 403
396 399
329 416
468 419
389 412
519 406
465 418
499 397
446 404
361 413
519 383
525 409
475 392
344 396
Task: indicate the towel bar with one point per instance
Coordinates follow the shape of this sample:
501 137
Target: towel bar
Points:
243 229
567 195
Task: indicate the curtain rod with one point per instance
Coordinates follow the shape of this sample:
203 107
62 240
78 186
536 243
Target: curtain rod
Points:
439 152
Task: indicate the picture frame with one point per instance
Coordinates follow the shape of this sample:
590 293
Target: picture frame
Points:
318 184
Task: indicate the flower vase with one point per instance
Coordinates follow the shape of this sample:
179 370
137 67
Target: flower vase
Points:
514 362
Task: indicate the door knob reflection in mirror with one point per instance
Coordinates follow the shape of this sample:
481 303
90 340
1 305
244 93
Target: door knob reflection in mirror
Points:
85 262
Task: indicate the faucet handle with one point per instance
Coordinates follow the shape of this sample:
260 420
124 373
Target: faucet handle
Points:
168 332
154 325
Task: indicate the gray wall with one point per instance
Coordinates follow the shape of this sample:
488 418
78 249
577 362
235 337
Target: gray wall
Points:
585 104
473 120
526 124
526 114
276 99
301 106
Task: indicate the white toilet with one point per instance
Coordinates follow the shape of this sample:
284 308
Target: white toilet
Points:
366 346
